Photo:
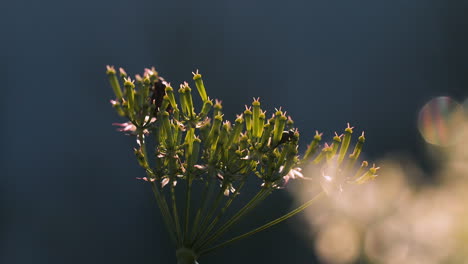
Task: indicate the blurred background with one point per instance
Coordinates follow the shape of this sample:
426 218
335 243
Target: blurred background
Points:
68 192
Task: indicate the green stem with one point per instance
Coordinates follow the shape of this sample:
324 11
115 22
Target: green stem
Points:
175 212
260 196
268 225
186 256
223 210
199 211
161 201
187 207
209 213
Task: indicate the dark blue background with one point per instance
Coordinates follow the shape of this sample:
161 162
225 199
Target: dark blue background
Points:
68 192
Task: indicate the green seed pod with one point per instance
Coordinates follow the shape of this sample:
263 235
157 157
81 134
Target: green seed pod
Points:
146 89
165 103
204 132
345 143
248 119
291 159
152 74
369 175
323 154
261 127
200 86
217 108
357 149
138 101
196 152
256 118
130 94
114 82
205 108
189 100
183 101
170 93
237 130
289 123
267 129
312 148
336 145
359 172
280 122
214 132
189 138
176 114
243 141
167 127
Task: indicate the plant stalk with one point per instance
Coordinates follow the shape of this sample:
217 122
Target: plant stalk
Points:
267 225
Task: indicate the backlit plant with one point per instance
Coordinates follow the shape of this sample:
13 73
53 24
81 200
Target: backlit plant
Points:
178 143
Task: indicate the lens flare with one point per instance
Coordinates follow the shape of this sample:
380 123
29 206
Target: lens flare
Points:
439 119
338 243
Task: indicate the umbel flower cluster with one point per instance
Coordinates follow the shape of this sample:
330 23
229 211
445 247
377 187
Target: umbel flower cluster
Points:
178 143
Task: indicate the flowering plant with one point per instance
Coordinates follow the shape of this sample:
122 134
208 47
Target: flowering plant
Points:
176 143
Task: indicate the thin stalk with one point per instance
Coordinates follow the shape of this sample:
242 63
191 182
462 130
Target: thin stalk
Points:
267 225
260 196
175 212
209 213
223 210
187 207
164 211
160 199
199 211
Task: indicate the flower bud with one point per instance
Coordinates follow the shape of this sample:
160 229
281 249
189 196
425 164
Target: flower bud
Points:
289 123
290 160
183 101
130 94
205 108
248 119
224 134
189 100
195 152
359 172
122 72
170 93
261 127
243 141
357 149
267 129
167 127
189 138
256 118
217 108
312 148
323 154
165 103
114 82
345 143
214 132
369 175
152 74
200 86
336 145
280 122
238 127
